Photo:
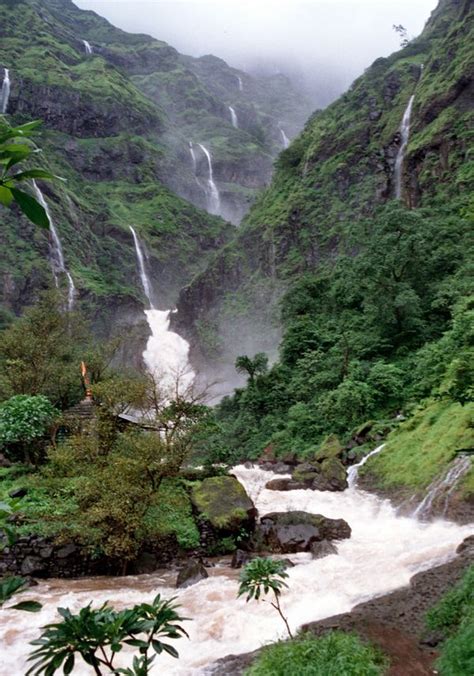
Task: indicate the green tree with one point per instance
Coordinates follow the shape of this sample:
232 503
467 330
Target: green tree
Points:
253 367
24 424
98 635
261 576
16 147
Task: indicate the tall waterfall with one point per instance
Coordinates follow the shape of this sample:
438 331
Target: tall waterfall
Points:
58 264
193 156
233 117
442 488
213 197
404 135
241 84
5 91
284 138
384 551
87 47
166 353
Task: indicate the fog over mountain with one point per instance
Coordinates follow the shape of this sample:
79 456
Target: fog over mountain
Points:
323 44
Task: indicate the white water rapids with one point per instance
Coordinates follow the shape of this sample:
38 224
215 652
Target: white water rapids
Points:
5 91
385 550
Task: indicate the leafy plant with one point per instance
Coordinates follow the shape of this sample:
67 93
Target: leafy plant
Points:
14 585
262 576
17 147
97 635
8 508
24 420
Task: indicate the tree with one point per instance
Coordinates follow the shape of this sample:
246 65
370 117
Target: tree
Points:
259 577
16 147
98 635
402 33
253 367
24 422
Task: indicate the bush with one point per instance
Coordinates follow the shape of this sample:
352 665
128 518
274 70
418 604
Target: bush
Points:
336 654
457 655
25 420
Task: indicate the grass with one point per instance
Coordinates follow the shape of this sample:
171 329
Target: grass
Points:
335 654
420 449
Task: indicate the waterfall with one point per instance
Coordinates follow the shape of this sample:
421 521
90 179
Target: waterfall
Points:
233 117
353 472
166 353
285 139
241 84
5 91
404 135
193 156
58 264
384 551
87 47
443 487
213 197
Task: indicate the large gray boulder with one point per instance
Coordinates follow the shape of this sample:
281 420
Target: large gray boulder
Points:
192 573
290 532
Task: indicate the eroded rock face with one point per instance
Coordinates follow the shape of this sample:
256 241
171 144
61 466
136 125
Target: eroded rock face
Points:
192 573
290 532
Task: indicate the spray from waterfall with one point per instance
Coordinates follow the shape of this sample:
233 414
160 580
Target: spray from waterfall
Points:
284 138
166 353
404 135
58 265
353 472
87 47
5 91
233 117
442 488
213 197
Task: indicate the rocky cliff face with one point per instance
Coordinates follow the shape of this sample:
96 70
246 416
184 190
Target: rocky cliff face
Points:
338 171
117 126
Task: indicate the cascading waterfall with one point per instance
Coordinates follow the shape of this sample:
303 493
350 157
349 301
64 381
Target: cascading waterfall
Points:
5 91
87 47
241 84
442 488
166 353
353 472
58 264
404 135
284 138
213 197
233 117
384 551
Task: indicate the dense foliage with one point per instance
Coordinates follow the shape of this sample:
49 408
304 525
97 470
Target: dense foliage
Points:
334 654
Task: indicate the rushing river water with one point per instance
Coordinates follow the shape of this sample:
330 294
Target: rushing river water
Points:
385 550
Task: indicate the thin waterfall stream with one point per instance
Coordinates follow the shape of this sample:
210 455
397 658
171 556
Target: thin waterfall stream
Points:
58 265
233 117
5 91
404 135
384 552
167 354
214 200
284 139
87 47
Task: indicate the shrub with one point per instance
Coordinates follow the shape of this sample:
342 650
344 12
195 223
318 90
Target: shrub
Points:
25 420
335 654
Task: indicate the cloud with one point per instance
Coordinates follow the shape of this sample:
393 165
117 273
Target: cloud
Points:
317 41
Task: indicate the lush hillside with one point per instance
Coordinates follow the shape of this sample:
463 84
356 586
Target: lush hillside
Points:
376 313
117 125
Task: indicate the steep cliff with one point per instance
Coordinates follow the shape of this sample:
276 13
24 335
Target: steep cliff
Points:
339 172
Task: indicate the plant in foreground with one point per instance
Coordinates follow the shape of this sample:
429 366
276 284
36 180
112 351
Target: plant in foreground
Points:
97 635
259 577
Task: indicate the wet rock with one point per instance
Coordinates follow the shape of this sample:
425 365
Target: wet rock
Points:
321 549
279 485
66 551
240 558
306 473
32 565
288 563
333 476
290 532
331 447
18 493
467 545
281 468
290 459
192 573
223 501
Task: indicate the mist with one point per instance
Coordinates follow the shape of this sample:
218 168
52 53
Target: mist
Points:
323 45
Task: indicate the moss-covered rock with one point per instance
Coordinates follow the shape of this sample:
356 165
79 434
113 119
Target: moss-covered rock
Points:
222 500
333 476
330 448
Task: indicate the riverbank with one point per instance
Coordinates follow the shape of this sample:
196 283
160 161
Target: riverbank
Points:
394 622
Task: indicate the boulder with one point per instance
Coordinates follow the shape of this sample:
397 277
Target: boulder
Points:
192 573
290 532
281 485
223 502
331 447
32 565
281 468
321 549
306 473
240 558
333 476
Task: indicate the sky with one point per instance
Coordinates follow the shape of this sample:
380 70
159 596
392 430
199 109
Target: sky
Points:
314 41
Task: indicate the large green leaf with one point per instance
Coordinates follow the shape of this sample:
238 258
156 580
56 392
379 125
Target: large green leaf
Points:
31 208
28 606
6 196
32 173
